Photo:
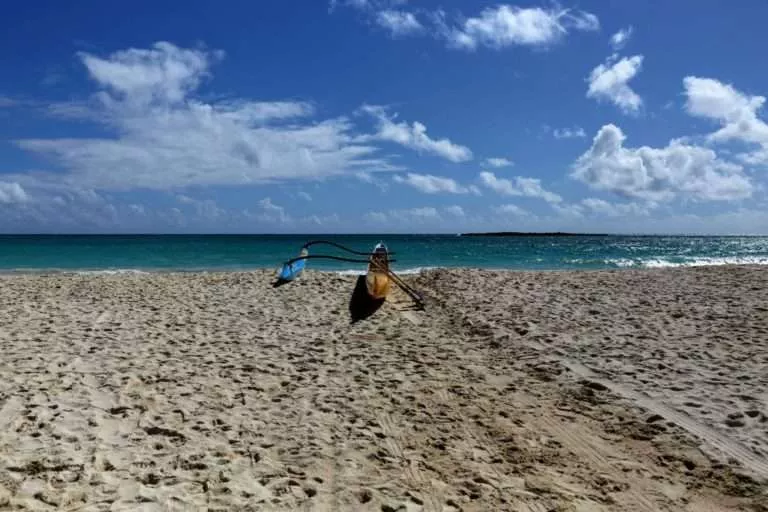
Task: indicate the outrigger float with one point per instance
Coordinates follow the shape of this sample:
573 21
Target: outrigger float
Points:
378 278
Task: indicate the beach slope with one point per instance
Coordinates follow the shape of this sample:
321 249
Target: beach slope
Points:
630 390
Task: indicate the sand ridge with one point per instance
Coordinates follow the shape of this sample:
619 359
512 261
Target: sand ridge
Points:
219 392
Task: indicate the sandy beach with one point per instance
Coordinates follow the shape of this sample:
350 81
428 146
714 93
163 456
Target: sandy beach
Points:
632 390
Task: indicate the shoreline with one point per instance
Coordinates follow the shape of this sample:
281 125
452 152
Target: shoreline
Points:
405 271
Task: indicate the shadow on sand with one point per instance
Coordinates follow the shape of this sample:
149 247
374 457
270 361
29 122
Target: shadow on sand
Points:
361 305
279 282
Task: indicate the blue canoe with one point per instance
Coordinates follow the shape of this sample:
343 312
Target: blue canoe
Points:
291 271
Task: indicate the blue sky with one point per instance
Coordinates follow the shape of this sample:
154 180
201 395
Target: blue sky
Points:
383 116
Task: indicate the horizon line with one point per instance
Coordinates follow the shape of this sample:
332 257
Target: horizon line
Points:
441 234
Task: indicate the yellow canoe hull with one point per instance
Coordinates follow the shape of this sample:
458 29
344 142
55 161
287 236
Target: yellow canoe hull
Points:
377 281
378 284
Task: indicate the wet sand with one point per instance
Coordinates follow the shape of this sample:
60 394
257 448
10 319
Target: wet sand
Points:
630 390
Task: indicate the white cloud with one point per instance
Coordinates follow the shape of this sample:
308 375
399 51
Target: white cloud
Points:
498 162
620 38
321 220
602 207
46 205
531 187
609 82
455 210
203 208
499 185
658 174
737 112
367 177
11 193
376 217
506 25
757 158
166 138
421 215
270 212
569 133
432 184
511 209
305 196
519 186
138 209
164 73
399 23
495 27
415 137
426 213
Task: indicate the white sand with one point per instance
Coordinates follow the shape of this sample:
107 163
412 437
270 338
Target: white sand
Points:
219 392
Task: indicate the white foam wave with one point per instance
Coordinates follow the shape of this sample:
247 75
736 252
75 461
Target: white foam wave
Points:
111 272
406 271
84 272
689 262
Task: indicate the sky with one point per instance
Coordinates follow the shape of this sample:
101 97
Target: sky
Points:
383 116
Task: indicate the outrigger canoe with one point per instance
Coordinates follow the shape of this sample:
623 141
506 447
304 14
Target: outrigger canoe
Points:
379 276
377 279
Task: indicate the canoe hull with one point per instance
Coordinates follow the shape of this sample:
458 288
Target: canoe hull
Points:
290 271
377 281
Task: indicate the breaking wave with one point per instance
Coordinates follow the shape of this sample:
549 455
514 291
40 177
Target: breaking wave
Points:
687 262
405 271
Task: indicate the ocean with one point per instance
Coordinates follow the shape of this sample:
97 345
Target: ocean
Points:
148 253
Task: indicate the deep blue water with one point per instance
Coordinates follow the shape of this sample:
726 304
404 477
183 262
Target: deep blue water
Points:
236 252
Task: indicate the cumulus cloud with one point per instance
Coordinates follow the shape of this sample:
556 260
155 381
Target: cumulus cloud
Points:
507 25
166 138
164 73
206 209
510 209
37 205
620 38
605 208
270 212
737 113
432 184
658 174
569 133
367 177
421 215
455 210
496 27
518 186
399 23
139 209
414 136
498 162
610 82
322 220
12 193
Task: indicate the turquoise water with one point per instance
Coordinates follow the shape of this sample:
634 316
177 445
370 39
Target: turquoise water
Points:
413 252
